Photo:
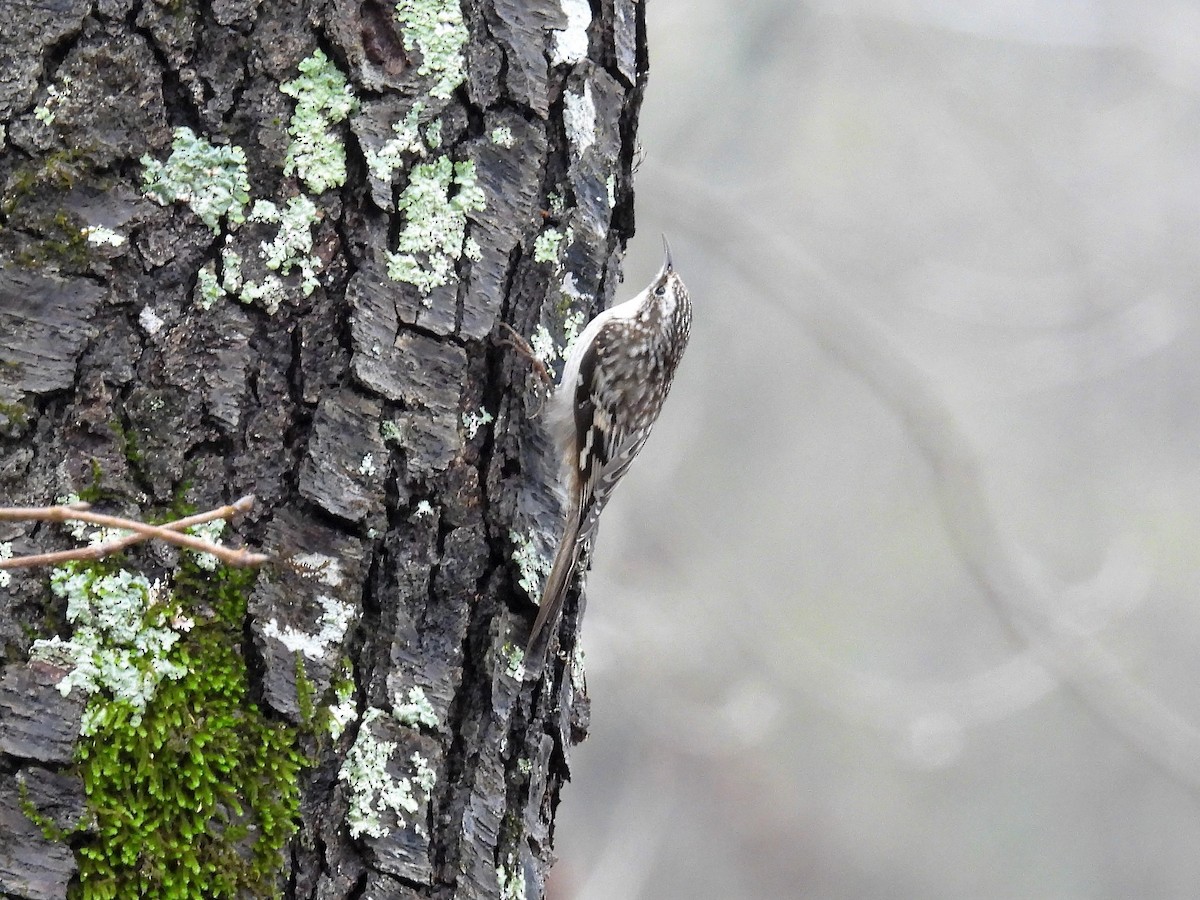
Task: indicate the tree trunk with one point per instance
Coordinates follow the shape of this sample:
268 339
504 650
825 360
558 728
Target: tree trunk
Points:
262 248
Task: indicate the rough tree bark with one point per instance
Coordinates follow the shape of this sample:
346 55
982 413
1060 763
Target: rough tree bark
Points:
166 341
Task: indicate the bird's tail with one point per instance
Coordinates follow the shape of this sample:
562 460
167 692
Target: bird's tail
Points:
553 595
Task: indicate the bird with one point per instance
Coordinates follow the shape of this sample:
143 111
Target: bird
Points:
614 382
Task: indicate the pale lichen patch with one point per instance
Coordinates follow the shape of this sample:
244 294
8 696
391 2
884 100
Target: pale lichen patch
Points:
473 421
325 568
231 269
573 326
150 321
502 136
416 711
406 140
208 288
546 244
344 711
211 532
120 643
45 111
531 565
292 247
436 29
268 294
542 345
211 179
435 205
323 99
514 661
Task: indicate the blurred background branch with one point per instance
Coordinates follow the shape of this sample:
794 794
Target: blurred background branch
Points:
904 590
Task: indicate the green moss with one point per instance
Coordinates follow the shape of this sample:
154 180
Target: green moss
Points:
198 799
94 492
391 432
58 170
16 413
49 829
305 691
129 443
181 507
62 244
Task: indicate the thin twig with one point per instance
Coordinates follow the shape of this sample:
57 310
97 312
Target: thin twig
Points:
169 532
522 346
518 342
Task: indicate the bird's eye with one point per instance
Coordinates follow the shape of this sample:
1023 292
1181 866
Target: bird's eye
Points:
661 290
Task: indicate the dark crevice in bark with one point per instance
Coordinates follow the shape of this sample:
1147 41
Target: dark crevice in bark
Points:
467 727
56 53
623 220
178 100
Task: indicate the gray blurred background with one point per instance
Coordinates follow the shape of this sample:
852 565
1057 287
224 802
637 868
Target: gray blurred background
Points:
901 600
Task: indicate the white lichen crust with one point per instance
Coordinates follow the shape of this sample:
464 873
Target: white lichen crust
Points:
121 642
571 43
6 552
579 116
335 620
99 234
376 796
512 880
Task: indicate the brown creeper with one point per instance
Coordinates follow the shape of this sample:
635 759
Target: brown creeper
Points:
612 389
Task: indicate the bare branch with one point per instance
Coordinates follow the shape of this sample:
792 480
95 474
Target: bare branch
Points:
772 263
170 532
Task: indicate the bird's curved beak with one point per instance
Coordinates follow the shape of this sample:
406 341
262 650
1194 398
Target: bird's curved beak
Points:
668 266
